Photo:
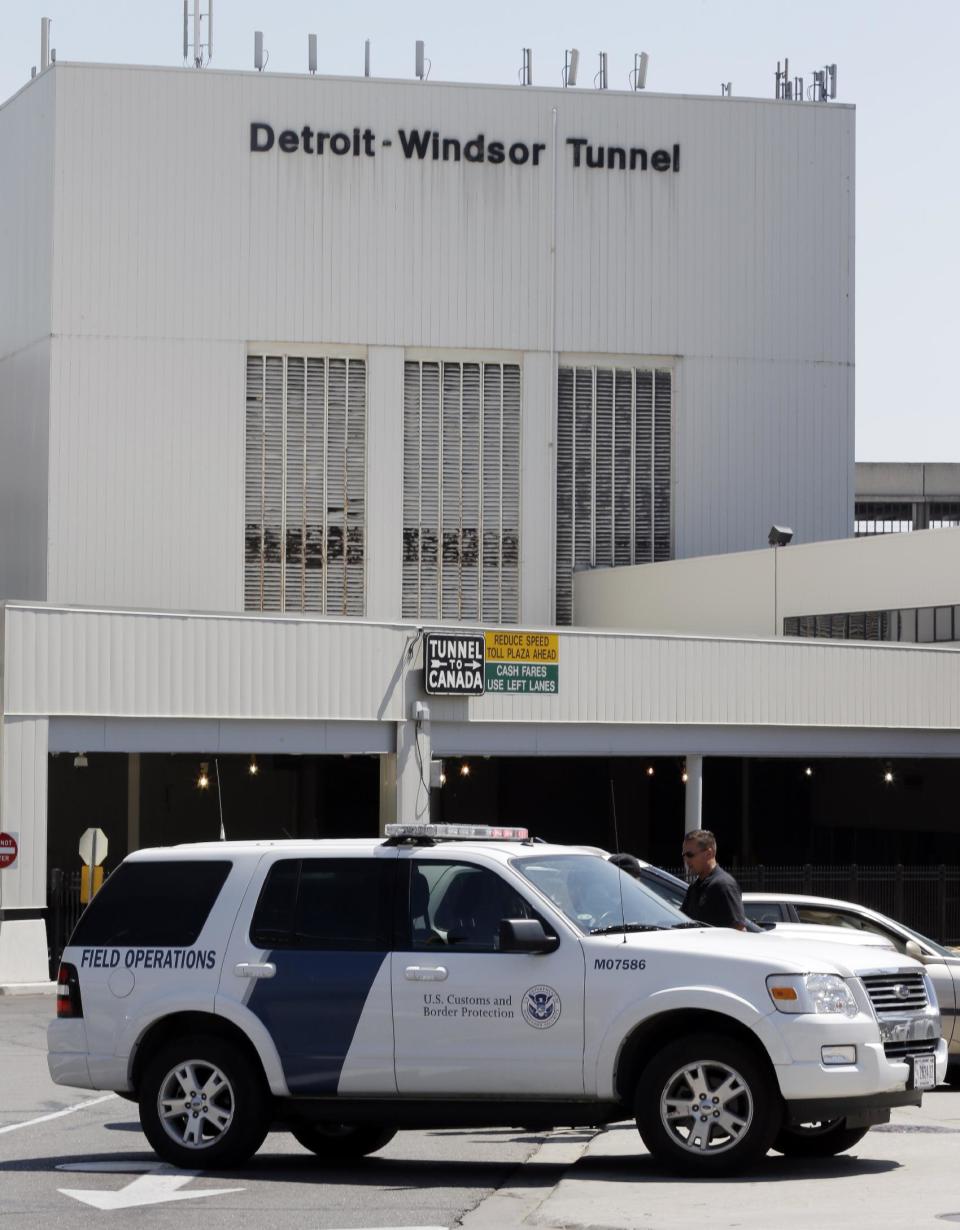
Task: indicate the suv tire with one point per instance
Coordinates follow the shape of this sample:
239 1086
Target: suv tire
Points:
342 1142
203 1104
818 1139
711 1084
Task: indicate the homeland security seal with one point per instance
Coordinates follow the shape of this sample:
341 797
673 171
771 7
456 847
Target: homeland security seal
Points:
541 1007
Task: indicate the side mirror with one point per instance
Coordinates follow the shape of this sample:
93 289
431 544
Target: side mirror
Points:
914 950
525 935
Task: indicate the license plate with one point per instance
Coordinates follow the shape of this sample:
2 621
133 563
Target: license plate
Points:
924 1071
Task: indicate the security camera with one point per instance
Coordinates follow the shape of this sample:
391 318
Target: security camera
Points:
779 535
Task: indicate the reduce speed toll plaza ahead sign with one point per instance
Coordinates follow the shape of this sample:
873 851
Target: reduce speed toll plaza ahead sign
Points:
470 664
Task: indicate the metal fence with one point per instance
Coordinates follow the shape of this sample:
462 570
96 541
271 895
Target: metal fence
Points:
63 910
925 898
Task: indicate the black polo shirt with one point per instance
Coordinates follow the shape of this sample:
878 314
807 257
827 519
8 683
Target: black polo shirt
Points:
715 900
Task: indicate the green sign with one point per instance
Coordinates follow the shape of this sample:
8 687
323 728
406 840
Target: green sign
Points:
520 677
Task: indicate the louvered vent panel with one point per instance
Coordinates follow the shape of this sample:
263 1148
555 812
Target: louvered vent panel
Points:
314 484
662 464
273 486
643 475
614 471
294 488
603 497
336 485
356 504
583 468
492 473
564 495
305 487
253 487
623 467
470 519
461 487
430 491
412 429
452 491
510 525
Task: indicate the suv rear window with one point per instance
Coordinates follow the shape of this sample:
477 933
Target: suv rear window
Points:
152 905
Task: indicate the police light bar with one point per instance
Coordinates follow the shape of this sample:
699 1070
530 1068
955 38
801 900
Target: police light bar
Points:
453 832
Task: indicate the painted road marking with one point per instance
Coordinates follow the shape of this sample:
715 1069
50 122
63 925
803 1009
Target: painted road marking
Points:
160 1185
57 1114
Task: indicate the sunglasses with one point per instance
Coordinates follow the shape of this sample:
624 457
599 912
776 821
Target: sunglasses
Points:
691 853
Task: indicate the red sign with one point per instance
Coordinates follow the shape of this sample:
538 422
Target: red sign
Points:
8 850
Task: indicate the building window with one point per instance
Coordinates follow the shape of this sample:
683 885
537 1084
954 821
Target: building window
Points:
944 514
923 625
614 468
305 484
461 491
872 517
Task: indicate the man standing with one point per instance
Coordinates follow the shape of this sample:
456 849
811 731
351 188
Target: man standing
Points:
713 897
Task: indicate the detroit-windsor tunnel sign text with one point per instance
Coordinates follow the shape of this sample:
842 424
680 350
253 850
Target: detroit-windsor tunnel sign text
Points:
429 145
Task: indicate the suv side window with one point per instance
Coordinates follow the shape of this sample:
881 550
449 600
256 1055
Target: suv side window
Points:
326 903
458 905
152 905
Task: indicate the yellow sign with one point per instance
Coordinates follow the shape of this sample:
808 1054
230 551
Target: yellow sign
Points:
523 647
85 892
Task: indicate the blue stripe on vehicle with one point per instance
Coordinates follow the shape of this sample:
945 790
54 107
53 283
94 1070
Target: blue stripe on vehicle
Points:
311 1009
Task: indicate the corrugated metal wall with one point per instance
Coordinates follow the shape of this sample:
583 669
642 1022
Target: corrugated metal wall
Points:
176 247
137 664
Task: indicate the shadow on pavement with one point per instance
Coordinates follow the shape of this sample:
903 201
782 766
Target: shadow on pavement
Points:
773 1169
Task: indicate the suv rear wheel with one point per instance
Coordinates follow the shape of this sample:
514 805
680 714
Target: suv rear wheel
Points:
342 1142
202 1105
705 1106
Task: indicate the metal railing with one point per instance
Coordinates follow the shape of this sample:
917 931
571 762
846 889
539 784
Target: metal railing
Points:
63 910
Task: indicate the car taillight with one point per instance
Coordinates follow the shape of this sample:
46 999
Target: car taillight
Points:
68 992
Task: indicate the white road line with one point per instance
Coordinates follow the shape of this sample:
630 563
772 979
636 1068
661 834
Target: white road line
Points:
57 1114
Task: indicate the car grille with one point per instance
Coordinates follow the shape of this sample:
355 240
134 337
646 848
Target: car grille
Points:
889 993
900 1050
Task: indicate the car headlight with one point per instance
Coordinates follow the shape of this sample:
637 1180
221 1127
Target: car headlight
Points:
814 993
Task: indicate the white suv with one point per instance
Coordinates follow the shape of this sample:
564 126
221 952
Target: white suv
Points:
342 990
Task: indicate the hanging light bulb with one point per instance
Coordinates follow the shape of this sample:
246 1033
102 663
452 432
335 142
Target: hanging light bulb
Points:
464 770
684 775
443 779
203 781
253 768
888 776
650 770
808 771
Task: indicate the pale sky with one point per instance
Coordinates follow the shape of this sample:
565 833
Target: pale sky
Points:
896 63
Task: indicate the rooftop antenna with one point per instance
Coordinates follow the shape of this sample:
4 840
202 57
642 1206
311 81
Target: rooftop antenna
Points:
600 80
366 58
571 62
526 68
726 88
196 47
44 43
781 80
638 76
420 60
312 52
261 58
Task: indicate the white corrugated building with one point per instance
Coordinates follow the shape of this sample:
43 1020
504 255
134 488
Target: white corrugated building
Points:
293 368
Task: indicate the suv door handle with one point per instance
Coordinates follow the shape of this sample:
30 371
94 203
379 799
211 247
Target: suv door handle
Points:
245 969
425 973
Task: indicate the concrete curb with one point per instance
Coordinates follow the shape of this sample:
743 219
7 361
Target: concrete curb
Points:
28 988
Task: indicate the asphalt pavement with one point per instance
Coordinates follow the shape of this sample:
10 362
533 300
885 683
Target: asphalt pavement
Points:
80 1157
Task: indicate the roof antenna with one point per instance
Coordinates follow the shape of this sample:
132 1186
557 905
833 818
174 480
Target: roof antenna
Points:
616 847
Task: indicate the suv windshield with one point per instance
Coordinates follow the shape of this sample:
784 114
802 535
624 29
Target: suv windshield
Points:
588 890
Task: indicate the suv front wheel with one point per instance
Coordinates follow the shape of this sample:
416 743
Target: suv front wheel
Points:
705 1106
202 1105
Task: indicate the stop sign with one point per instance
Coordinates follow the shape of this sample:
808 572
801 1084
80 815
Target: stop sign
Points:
8 850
